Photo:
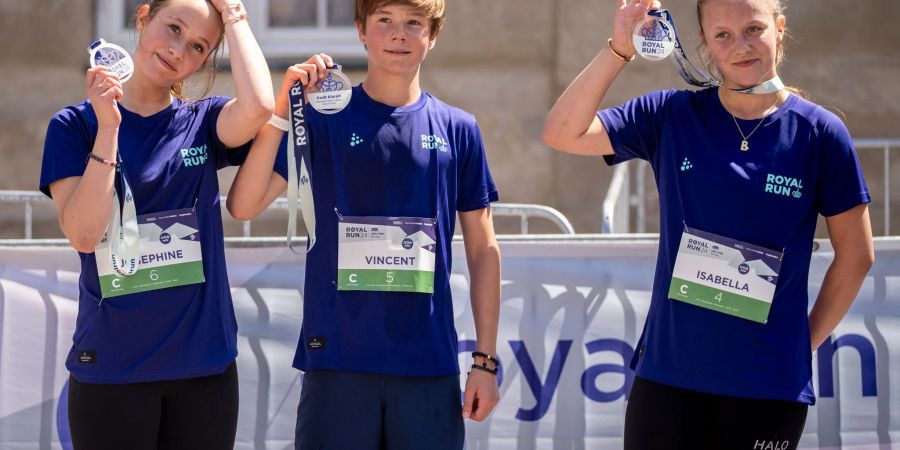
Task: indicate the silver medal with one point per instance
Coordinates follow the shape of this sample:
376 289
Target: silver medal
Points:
332 93
113 57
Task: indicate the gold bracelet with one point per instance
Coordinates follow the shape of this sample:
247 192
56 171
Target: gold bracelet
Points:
619 55
235 19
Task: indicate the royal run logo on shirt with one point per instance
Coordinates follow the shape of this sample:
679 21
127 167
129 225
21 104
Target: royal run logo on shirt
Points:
194 156
434 142
784 185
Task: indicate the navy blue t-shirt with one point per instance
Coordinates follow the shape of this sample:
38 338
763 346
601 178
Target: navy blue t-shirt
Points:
801 163
170 160
421 160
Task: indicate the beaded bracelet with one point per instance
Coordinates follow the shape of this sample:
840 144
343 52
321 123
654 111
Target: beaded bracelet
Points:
484 366
101 160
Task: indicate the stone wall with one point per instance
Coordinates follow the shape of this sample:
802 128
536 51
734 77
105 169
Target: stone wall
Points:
506 62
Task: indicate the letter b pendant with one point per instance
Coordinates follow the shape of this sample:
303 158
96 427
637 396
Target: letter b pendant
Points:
745 145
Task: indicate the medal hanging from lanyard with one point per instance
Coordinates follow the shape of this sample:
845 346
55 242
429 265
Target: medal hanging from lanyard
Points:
329 96
655 38
123 234
124 237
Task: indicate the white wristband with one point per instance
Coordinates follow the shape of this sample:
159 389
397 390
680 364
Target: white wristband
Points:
278 122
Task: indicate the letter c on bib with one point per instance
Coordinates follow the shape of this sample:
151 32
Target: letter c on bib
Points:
683 289
117 283
352 278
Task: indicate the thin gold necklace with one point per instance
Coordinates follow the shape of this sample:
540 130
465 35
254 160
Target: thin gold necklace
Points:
745 145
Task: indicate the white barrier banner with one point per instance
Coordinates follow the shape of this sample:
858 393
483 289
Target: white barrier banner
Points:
572 311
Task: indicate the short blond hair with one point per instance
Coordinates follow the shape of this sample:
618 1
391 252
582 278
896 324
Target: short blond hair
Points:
433 9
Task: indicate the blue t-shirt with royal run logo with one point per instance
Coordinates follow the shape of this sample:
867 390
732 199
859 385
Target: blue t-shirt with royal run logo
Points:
800 163
170 160
425 159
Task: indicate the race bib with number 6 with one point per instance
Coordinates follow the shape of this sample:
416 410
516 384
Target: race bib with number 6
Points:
170 255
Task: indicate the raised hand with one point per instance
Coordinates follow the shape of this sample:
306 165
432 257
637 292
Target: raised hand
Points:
305 73
481 395
629 15
104 91
223 5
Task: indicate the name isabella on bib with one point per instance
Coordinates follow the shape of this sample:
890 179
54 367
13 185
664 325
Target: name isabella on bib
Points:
725 275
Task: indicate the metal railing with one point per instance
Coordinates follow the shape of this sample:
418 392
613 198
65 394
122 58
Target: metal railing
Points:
619 197
27 198
527 210
523 211
885 145
616 205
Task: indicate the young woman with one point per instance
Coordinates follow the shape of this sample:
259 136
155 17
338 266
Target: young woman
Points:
152 362
728 366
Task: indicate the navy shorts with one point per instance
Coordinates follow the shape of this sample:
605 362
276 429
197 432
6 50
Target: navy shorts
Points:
349 410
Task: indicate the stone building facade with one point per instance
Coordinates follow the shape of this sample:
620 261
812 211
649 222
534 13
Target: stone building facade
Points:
506 61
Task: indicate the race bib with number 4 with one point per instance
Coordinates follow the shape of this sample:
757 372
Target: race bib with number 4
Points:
725 275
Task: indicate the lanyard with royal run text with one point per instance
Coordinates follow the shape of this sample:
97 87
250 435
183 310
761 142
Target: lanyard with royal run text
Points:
298 141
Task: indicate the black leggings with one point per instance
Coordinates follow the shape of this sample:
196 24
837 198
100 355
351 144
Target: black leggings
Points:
195 414
665 417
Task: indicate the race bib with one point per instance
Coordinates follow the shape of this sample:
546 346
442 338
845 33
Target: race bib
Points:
725 275
388 254
170 255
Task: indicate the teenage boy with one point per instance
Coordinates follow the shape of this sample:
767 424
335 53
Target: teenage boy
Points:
378 345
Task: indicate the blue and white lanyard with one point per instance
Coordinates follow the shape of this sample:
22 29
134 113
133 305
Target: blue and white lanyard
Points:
298 138
124 236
